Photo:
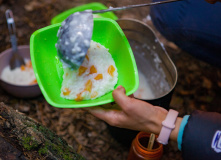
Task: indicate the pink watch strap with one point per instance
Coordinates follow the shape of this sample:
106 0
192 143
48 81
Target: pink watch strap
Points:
167 126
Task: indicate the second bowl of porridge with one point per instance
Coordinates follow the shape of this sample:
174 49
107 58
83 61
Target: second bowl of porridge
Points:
19 82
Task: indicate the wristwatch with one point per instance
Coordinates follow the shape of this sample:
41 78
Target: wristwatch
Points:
167 126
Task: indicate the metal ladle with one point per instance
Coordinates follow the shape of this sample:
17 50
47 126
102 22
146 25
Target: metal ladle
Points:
16 60
75 34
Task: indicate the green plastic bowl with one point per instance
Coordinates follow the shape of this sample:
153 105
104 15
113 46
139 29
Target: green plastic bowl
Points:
48 69
94 6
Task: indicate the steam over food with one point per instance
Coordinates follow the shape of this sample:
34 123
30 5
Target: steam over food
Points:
95 77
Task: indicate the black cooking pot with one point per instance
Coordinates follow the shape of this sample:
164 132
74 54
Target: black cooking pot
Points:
154 63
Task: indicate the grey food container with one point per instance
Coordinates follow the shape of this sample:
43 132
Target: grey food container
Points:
154 63
19 91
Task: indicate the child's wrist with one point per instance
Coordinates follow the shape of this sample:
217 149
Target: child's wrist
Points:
157 124
158 119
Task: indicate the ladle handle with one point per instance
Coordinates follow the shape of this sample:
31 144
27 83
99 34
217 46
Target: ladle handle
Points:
133 6
11 28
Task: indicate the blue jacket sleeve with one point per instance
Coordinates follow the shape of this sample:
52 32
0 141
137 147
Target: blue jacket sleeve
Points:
202 136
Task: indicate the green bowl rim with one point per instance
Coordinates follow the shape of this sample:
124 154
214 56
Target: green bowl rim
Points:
61 105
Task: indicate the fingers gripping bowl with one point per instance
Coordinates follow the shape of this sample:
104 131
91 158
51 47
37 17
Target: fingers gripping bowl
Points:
49 71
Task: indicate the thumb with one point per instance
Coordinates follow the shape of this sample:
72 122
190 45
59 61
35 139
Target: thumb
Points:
120 96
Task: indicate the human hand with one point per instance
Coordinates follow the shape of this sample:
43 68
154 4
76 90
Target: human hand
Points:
213 1
134 114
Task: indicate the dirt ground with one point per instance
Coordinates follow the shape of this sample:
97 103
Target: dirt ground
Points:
198 86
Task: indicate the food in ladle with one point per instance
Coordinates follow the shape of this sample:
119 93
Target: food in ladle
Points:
74 36
95 77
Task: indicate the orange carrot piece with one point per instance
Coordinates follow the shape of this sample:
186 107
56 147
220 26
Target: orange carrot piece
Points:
88 86
111 70
99 76
94 94
93 69
82 69
22 67
87 57
66 92
79 97
33 82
